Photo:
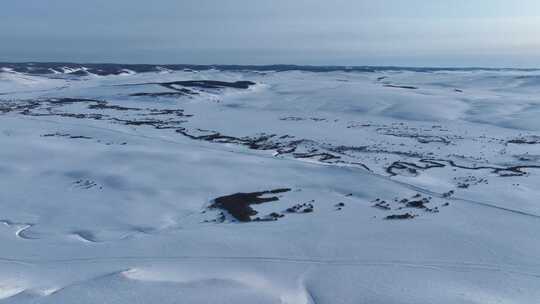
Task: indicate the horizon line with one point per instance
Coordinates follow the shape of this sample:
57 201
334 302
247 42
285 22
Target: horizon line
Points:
281 65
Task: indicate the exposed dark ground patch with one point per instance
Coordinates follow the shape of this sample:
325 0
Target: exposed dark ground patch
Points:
400 87
405 216
238 205
301 208
58 134
525 140
86 184
418 201
465 182
103 105
164 94
208 84
339 206
189 88
381 204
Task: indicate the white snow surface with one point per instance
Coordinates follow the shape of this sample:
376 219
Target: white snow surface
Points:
111 202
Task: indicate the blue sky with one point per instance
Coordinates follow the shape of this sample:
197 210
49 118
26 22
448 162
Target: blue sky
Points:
343 32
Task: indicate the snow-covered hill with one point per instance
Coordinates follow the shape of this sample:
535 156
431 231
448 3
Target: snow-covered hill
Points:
297 185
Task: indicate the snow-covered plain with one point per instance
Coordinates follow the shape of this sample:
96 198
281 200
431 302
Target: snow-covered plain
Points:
360 186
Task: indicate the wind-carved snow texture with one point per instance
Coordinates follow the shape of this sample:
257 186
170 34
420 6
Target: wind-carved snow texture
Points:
277 184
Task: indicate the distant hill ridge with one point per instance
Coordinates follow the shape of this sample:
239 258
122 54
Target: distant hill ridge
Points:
103 69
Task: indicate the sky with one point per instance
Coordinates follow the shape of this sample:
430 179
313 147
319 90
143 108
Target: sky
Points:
450 33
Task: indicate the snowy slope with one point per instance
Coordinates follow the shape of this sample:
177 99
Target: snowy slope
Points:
253 185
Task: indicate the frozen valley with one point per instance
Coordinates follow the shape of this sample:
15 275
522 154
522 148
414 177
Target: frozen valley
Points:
280 184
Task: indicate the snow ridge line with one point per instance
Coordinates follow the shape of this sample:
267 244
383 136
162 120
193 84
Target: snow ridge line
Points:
438 265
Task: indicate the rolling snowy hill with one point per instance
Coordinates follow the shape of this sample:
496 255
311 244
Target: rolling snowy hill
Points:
278 184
